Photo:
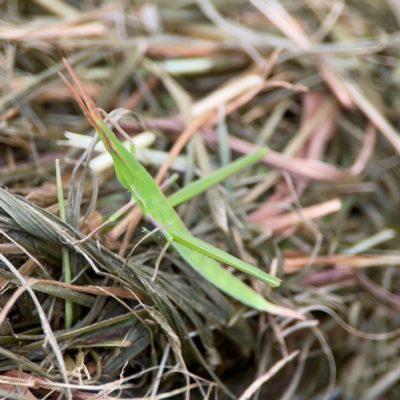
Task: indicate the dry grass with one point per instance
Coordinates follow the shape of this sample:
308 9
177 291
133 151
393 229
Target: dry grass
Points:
315 81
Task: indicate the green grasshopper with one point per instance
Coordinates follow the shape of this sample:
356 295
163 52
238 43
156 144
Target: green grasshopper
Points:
201 256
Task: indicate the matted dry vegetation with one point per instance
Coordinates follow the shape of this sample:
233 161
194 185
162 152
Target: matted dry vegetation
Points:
317 81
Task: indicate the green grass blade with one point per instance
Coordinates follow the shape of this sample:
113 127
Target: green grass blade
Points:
202 184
